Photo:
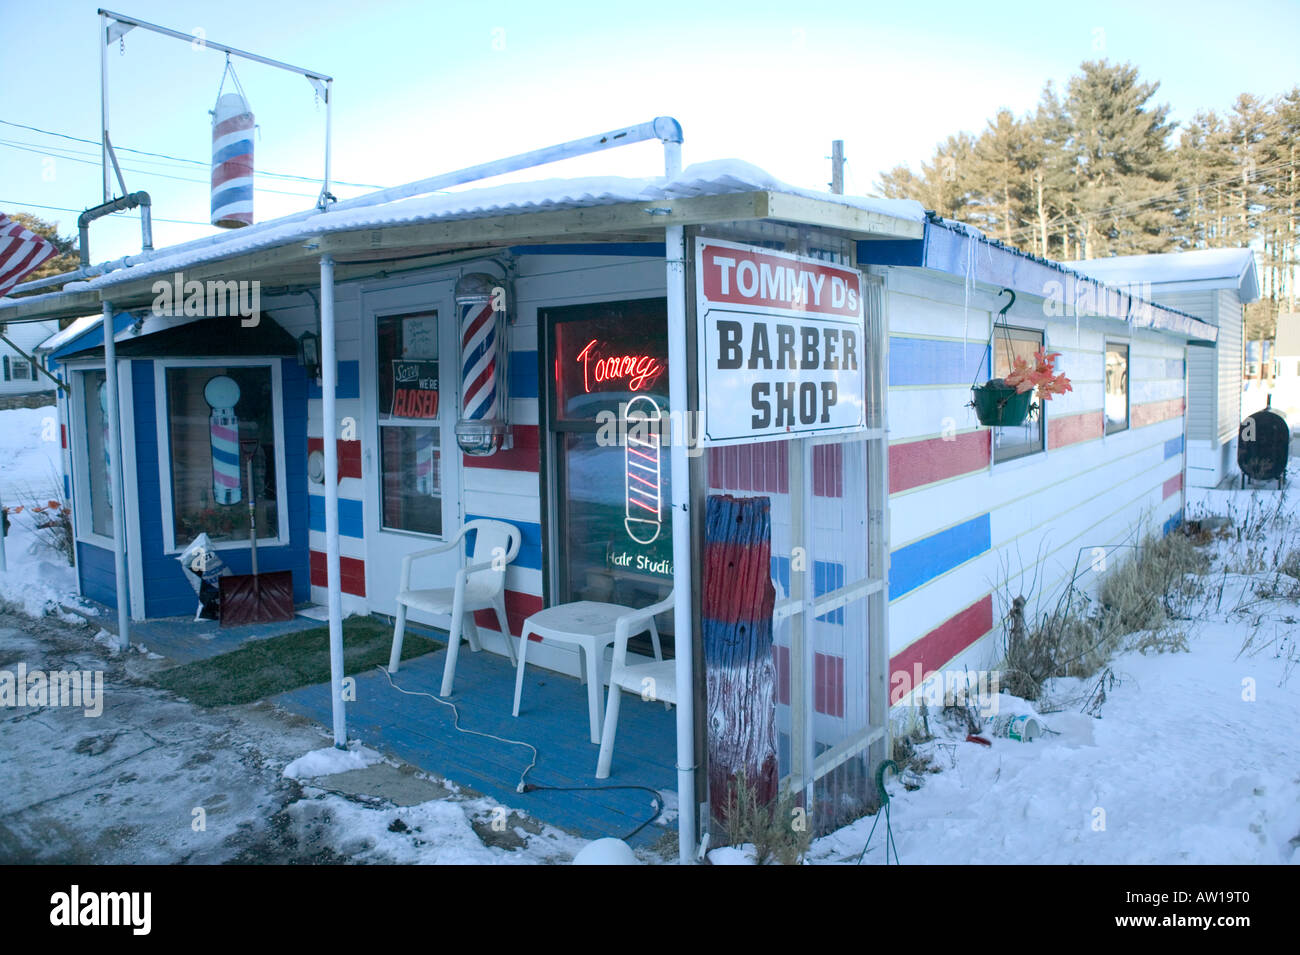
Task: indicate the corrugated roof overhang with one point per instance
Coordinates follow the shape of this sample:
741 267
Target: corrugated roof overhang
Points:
957 251
293 260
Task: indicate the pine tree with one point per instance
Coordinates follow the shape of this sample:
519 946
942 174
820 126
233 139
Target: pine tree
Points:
1119 155
1000 177
944 182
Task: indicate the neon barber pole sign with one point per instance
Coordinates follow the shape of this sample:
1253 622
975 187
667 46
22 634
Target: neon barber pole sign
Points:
642 464
781 341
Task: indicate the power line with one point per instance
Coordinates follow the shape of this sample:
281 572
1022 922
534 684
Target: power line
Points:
195 162
45 151
37 205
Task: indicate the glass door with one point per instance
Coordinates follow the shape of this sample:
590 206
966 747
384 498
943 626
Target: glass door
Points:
607 410
410 384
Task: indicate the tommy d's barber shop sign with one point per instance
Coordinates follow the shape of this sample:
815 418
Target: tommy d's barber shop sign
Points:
781 346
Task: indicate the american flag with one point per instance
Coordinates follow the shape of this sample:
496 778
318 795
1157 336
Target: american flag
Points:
21 251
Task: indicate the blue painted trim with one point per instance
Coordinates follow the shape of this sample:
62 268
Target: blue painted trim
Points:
650 250
93 337
923 560
523 374
1173 447
948 248
530 544
1174 522
921 361
351 523
349 383
67 488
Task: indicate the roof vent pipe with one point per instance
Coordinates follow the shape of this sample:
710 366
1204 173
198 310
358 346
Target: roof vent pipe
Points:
130 201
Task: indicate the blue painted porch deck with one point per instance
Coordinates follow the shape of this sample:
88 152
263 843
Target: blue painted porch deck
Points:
184 639
552 717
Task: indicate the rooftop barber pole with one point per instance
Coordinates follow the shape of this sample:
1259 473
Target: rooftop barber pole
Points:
232 162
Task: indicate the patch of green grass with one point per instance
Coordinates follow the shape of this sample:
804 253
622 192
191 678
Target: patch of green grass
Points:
263 668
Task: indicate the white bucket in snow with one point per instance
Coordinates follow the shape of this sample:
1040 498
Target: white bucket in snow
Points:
1023 728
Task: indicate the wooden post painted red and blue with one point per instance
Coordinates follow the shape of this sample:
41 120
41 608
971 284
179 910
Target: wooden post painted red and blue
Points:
737 637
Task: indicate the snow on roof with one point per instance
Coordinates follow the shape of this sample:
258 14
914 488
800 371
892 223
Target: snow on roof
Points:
719 177
1210 268
61 338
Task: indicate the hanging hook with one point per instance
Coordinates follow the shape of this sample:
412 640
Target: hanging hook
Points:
1002 313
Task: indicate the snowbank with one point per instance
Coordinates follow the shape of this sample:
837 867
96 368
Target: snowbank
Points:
38 578
328 761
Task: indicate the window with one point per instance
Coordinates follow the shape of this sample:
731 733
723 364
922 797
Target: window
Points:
410 438
94 404
609 399
21 370
1116 387
1008 345
222 432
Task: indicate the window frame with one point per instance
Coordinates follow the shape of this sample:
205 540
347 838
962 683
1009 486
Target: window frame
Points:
1029 449
449 528
553 427
1128 385
25 365
83 521
163 430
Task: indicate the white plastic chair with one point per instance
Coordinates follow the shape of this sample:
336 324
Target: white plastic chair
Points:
480 585
651 681
591 626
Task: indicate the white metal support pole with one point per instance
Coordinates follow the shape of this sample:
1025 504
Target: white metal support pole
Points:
103 104
683 622
114 412
330 427
329 134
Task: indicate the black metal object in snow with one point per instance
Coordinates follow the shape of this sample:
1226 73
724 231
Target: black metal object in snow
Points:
1264 446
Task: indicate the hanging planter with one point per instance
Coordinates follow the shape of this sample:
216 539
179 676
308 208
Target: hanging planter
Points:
1008 401
998 405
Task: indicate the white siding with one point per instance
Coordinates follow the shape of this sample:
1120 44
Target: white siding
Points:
1228 317
1040 511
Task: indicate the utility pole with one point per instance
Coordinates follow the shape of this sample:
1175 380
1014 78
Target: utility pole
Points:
837 167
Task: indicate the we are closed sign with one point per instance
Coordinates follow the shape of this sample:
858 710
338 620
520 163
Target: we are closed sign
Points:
781 344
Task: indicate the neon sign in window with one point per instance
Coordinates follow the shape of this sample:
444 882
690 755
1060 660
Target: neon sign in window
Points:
643 471
603 362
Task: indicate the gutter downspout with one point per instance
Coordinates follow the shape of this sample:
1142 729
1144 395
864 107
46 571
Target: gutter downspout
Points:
329 431
114 412
129 201
683 621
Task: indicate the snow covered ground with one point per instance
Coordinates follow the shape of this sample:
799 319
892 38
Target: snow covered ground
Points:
1195 757
31 468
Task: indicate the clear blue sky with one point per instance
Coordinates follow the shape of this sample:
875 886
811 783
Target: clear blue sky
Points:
422 88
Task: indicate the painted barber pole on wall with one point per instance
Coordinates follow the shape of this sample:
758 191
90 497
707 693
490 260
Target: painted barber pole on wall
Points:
482 428
232 162
222 394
